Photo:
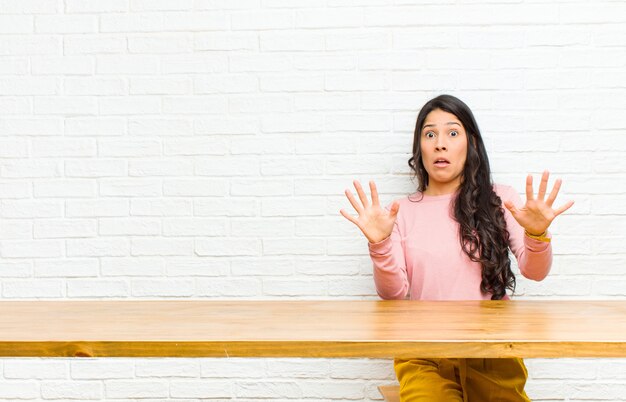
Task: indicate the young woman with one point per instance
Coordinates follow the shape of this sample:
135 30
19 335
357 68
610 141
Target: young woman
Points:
450 241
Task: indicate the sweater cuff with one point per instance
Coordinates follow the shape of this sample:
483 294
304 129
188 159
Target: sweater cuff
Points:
382 247
537 245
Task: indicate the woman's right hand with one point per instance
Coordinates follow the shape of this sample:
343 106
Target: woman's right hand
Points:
375 222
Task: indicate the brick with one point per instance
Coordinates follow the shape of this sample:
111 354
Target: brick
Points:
298 368
267 389
28 86
261 227
32 289
15 106
100 288
262 20
129 227
65 188
135 389
95 6
262 266
39 370
94 86
329 18
201 389
227 247
16 270
64 105
99 247
163 167
31 209
132 266
160 86
195 63
135 105
17 230
194 187
195 266
162 287
233 367
14 45
136 187
293 287
219 288
14 65
66 268
225 207
161 246
72 390
227 41
194 226
161 43
292 166
161 207
20 390
194 105
94 44
169 368
195 146
32 248
66 24
76 147
51 229
99 369
95 168
161 5
127 64
96 208
261 187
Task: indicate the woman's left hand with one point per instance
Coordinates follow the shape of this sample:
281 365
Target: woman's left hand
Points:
537 214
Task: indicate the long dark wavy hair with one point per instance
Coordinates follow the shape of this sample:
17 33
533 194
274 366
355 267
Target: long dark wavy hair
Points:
477 208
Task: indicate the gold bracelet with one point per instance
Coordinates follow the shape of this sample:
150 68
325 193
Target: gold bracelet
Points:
542 237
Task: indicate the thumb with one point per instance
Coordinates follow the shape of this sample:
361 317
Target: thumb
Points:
509 205
393 211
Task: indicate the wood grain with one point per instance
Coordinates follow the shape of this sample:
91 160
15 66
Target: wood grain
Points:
324 328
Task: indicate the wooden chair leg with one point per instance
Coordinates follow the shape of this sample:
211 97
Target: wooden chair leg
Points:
391 393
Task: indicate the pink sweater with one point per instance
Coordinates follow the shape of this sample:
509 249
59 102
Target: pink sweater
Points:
423 255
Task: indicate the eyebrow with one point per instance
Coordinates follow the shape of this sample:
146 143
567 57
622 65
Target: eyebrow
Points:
448 123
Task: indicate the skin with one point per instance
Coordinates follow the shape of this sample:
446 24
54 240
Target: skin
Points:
441 139
443 136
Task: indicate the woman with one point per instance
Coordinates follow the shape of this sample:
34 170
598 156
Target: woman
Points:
451 241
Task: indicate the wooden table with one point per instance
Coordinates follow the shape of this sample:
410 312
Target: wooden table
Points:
379 329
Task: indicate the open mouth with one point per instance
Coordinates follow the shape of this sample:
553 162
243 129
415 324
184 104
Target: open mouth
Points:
441 162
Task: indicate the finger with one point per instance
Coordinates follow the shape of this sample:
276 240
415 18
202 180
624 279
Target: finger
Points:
543 186
357 207
529 188
564 208
393 211
374 193
510 206
349 217
361 194
554 192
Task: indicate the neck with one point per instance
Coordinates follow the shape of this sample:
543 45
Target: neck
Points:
435 189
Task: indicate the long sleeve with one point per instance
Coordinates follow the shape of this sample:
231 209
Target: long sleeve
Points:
534 257
390 273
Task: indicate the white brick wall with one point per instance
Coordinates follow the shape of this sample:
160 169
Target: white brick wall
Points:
200 149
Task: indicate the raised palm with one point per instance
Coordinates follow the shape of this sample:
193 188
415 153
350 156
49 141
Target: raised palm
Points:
375 222
537 214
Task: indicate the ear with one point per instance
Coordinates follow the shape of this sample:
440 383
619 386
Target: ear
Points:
473 141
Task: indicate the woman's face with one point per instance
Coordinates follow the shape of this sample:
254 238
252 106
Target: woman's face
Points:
443 144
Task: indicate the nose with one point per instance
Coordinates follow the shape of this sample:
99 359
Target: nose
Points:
440 144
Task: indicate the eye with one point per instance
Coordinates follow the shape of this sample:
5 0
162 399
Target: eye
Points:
454 133
429 134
